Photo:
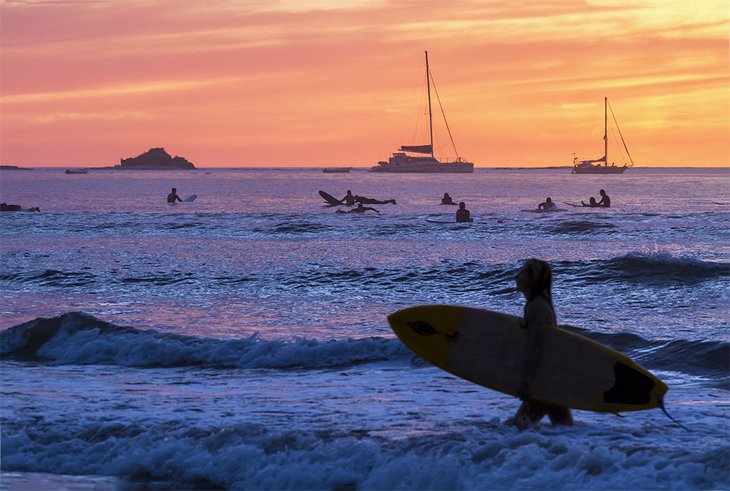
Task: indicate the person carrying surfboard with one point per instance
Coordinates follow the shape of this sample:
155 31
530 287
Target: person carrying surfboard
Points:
535 280
172 197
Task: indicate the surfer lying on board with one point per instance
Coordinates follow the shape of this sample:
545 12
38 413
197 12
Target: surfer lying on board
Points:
591 202
546 205
535 281
462 214
359 209
172 197
349 199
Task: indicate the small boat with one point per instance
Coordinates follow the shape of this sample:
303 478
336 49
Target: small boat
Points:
77 171
600 166
334 170
402 162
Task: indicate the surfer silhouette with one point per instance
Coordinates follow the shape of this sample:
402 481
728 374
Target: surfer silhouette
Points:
447 200
359 209
591 202
535 281
462 214
349 199
546 205
605 200
172 197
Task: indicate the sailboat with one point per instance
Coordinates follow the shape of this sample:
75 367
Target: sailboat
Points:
402 161
600 166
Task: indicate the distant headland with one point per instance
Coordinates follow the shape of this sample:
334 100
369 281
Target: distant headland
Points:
154 159
13 167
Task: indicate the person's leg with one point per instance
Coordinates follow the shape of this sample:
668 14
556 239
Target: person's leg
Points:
560 415
528 414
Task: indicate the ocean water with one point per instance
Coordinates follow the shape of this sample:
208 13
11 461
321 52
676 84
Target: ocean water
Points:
240 341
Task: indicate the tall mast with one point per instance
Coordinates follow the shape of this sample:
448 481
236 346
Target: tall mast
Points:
430 115
605 129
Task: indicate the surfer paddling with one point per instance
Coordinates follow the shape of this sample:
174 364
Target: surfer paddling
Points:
535 281
359 209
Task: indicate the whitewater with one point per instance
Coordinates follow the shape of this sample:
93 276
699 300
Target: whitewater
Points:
240 341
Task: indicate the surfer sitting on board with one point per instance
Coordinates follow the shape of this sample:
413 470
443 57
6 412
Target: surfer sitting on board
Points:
172 197
591 202
546 205
605 200
358 209
462 214
446 200
535 281
349 199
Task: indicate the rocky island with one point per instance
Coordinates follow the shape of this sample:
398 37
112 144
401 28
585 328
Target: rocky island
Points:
155 159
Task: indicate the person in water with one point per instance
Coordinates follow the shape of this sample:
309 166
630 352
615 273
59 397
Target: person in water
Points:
349 199
546 205
172 197
605 200
373 201
462 214
591 202
534 281
446 200
358 209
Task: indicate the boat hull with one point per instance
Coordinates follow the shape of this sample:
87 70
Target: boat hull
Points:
422 165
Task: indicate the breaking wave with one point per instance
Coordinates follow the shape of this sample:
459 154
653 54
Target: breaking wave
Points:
78 338
81 339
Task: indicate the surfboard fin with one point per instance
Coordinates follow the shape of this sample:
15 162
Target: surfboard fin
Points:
664 410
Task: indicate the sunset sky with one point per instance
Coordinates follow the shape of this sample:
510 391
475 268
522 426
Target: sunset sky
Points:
341 82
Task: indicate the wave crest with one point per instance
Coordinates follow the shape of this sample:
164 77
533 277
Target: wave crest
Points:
78 338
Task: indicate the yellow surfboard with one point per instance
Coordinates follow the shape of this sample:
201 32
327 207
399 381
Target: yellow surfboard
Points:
488 348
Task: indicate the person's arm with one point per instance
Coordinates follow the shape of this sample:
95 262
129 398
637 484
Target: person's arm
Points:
535 319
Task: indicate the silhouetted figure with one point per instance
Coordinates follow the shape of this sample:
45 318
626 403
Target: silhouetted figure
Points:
446 200
535 280
605 200
373 201
546 205
172 197
591 202
349 199
462 214
358 209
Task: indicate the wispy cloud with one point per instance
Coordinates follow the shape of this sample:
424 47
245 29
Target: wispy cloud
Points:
290 72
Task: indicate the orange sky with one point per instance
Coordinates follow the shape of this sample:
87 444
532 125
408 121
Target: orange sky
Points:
337 82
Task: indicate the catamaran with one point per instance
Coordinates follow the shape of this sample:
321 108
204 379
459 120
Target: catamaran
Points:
600 166
401 161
